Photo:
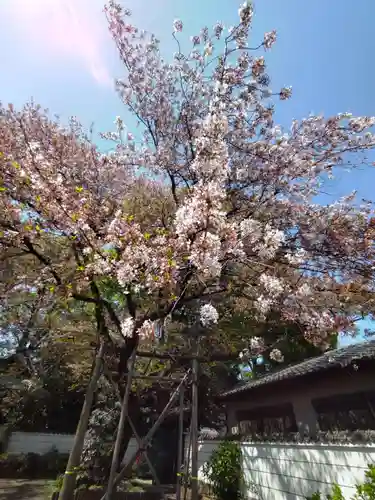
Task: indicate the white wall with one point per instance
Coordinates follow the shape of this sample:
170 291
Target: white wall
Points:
272 471
290 472
133 446
36 442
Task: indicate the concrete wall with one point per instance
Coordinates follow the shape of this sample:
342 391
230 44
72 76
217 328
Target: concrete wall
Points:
272 471
289 472
301 394
133 446
37 442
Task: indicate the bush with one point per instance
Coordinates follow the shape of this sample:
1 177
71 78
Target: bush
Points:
224 471
365 491
4 438
33 465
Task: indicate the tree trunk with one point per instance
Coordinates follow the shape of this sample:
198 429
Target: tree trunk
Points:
69 482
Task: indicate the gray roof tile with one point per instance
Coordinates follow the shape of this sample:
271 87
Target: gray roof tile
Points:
330 359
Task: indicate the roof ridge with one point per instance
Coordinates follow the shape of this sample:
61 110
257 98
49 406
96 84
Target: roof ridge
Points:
312 364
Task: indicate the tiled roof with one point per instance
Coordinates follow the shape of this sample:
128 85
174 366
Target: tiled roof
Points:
330 359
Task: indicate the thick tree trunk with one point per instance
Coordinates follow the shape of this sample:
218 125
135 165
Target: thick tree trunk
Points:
67 490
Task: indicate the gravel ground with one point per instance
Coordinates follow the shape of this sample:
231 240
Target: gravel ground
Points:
23 489
19 489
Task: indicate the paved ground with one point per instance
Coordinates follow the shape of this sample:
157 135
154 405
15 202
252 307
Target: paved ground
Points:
12 489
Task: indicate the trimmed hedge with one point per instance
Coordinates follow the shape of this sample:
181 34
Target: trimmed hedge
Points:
334 437
98 494
4 438
33 465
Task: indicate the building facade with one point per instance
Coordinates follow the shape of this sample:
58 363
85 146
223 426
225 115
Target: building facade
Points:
333 392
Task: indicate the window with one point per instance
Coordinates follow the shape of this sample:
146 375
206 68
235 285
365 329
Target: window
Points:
352 412
267 420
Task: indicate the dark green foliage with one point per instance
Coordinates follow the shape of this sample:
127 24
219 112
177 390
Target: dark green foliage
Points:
365 491
32 465
224 471
294 347
4 437
336 494
54 404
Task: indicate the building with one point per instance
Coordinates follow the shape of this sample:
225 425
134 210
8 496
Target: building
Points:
331 392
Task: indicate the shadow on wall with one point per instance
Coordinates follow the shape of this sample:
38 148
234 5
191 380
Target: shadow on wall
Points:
287 472
282 471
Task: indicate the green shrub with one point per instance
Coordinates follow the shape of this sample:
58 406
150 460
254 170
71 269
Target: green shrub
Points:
4 438
224 471
32 465
58 482
365 491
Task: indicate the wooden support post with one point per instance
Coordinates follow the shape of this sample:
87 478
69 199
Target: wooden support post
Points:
120 429
180 450
187 465
194 429
134 430
152 378
145 441
69 482
189 357
139 442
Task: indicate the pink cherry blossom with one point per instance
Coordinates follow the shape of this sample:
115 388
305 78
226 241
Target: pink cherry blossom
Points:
177 25
269 39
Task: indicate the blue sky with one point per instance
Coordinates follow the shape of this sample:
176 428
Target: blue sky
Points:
60 53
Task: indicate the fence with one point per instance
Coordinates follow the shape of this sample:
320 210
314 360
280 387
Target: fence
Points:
37 442
294 471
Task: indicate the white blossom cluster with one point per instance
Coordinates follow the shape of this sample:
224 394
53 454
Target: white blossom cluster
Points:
208 315
276 355
257 348
99 441
146 331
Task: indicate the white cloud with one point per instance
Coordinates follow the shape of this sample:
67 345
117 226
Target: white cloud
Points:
62 30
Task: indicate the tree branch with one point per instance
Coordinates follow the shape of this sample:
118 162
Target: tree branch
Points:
44 260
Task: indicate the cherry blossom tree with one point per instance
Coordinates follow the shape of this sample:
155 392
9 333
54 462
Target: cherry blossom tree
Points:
243 188
236 216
